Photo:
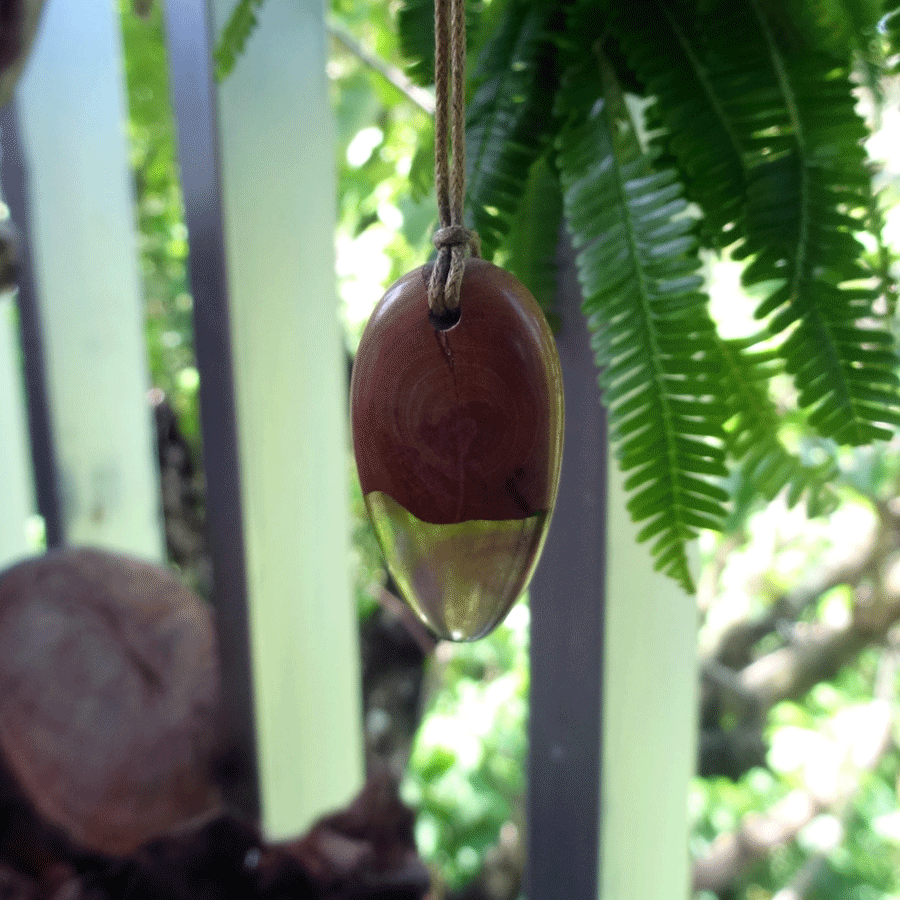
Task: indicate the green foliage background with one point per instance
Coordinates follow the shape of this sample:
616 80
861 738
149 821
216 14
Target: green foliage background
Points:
641 133
161 229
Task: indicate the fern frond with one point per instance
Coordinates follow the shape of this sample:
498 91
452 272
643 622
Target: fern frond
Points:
509 116
845 29
848 25
841 28
415 30
883 262
807 188
891 26
665 48
529 250
237 31
653 337
767 466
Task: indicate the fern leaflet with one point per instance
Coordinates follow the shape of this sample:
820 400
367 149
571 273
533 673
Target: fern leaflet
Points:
652 334
806 192
666 50
415 29
509 117
529 251
767 467
237 31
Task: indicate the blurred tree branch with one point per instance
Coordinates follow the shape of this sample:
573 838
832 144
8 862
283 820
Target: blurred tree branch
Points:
805 880
760 834
735 645
395 76
738 690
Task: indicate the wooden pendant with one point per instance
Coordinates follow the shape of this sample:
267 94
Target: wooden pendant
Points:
458 439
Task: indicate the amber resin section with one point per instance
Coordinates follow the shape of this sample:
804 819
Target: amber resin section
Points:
460 579
458 442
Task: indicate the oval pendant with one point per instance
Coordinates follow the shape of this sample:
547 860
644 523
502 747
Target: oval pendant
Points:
457 433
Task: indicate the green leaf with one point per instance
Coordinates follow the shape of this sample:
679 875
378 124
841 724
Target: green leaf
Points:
666 49
767 466
845 29
892 33
651 327
237 31
806 194
509 116
529 250
415 28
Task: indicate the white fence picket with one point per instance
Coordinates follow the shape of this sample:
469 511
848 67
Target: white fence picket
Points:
72 115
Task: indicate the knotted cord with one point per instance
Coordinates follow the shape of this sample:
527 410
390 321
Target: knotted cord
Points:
452 239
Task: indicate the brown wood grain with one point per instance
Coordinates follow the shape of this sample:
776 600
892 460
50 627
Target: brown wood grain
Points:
466 423
108 697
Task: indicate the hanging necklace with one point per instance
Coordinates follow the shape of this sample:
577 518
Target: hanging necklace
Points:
457 405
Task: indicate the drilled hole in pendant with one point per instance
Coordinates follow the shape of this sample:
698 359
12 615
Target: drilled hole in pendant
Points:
446 320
